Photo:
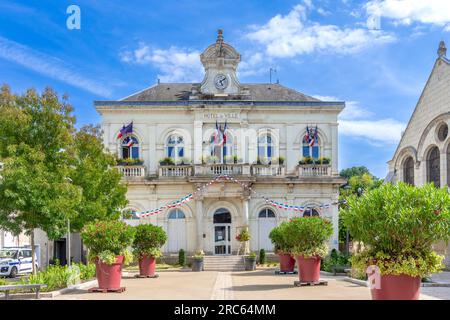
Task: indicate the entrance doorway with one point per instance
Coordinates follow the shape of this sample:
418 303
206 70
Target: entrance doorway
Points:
222 232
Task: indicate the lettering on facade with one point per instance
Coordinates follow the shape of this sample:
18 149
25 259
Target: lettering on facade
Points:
231 115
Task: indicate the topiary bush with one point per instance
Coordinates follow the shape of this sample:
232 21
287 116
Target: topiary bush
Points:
148 240
108 239
262 256
308 236
182 257
398 225
278 237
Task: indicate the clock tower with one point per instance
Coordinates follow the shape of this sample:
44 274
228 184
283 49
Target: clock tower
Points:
220 61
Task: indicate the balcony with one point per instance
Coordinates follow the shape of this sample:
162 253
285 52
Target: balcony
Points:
314 170
175 171
268 170
131 172
222 169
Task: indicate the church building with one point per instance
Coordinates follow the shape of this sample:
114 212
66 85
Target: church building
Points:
423 153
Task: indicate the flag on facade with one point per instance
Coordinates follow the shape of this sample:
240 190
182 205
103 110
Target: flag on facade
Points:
125 130
130 142
224 133
307 135
216 133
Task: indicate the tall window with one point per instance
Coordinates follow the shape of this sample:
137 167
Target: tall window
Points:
408 171
448 165
130 147
175 147
265 147
220 150
311 151
434 167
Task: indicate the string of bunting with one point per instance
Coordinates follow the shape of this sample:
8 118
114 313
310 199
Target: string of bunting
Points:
189 197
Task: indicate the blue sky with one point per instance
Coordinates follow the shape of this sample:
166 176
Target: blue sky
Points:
375 55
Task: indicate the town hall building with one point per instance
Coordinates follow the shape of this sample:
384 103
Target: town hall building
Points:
245 155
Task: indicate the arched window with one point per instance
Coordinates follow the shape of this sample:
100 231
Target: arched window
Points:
222 216
176 214
448 165
312 150
266 213
223 151
265 147
175 147
310 212
408 171
130 147
434 167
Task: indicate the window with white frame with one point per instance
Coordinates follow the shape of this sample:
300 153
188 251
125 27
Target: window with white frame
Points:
311 150
222 151
265 147
130 147
175 147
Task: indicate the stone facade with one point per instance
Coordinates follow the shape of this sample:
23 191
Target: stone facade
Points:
264 122
423 154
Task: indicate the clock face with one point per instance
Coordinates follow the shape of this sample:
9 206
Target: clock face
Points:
221 81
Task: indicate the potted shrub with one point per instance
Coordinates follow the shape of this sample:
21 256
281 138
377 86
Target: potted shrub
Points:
306 160
278 237
184 161
398 225
323 160
147 242
167 161
228 159
212 159
107 242
307 238
130 162
250 262
281 160
243 237
197 261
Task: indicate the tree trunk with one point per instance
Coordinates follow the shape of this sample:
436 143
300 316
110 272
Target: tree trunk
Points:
33 251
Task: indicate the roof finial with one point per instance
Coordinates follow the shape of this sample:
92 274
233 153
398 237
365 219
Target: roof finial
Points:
442 51
220 35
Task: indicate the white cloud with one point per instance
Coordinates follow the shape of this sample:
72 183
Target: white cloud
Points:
48 66
405 12
175 64
293 34
355 121
379 132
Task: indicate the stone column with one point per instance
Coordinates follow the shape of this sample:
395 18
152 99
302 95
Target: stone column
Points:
198 142
334 149
199 221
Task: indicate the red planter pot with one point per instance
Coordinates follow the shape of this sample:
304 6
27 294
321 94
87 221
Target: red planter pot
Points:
109 275
147 265
397 287
308 269
287 263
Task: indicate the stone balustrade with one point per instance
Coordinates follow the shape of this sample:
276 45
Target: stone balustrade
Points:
222 169
175 171
314 170
132 171
269 170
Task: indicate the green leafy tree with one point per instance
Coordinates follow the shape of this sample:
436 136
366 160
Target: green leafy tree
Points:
36 148
103 195
359 180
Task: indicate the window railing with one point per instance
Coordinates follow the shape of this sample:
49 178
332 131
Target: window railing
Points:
175 171
314 170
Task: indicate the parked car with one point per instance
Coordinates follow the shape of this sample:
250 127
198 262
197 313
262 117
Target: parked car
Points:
14 261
